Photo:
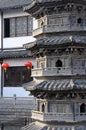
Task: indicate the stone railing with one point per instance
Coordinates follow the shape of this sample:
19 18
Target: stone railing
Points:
55 71
58 28
80 117
52 116
37 31
58 116
15 107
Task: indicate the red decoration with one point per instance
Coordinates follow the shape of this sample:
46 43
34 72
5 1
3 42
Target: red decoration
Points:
5 66
28 65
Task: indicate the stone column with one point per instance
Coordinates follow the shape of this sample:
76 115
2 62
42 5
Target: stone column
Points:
46 107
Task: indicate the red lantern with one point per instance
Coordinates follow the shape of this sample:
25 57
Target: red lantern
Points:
5 66
28 65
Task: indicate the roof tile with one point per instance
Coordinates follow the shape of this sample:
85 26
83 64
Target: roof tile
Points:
7 4
14 54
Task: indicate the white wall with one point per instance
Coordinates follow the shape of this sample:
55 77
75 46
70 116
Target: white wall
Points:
35 24
17 41
19 62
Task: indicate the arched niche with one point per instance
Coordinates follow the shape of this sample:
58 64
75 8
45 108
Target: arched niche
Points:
59 63
43 108
83 108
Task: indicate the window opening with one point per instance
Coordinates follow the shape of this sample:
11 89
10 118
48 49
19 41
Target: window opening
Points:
18 26
6 27
59 63
83 108
79 20
43 107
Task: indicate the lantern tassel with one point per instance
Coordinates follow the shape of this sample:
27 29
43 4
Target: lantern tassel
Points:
5 69
28 68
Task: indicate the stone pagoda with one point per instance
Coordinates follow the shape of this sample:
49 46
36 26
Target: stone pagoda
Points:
59 85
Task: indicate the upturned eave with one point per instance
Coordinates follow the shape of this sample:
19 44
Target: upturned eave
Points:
57 85
60 41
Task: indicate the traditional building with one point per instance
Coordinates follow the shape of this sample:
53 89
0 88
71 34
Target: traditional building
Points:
60 77
15 30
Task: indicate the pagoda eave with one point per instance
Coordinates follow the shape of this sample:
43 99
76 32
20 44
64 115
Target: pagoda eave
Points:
50 45
58 85
37 4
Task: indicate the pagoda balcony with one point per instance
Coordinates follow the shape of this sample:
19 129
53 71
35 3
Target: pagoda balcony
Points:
58 28
61 71
49 116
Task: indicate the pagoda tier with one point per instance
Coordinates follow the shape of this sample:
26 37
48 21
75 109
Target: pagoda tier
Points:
58 16
57 56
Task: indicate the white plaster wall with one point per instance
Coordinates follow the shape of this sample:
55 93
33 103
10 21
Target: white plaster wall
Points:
19 62
35 24
17 41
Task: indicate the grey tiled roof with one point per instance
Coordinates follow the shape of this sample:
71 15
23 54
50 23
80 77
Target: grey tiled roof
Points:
7 4
34 126
57 40
58 85
14 54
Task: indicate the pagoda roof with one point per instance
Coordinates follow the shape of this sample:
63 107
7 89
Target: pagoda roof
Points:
57 41
57 85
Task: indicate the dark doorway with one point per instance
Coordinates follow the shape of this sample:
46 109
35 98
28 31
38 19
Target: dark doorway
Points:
59 63
43 108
